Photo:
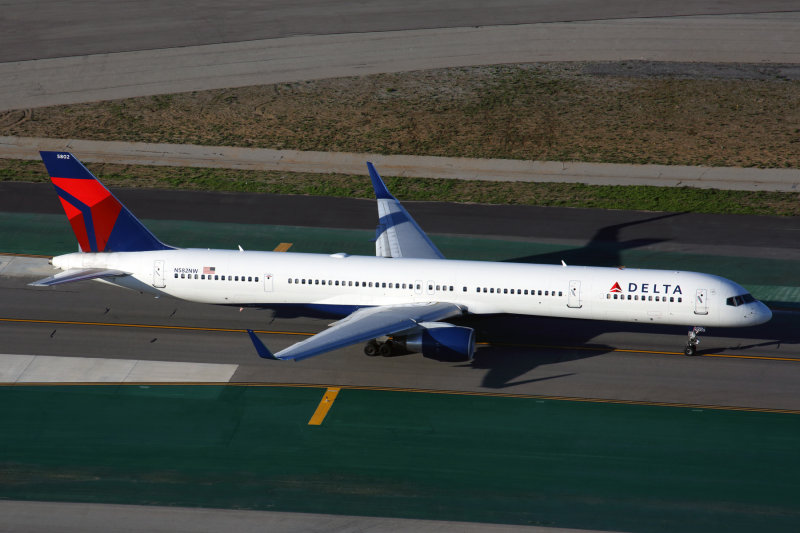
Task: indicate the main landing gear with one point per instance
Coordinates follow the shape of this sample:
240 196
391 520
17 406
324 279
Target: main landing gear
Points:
385 348
694 340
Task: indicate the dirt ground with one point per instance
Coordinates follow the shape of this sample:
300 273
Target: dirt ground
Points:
624 112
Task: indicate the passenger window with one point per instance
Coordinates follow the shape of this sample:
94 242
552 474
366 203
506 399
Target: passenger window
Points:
256 279
176 275
560 293
465 289
491 290
249 278
183 276
526 291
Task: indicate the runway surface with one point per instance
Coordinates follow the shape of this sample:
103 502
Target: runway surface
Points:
95 27
154 50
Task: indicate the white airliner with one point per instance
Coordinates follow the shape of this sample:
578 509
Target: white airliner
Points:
402 294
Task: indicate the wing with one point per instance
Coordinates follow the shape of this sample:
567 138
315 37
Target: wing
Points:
78 274
362 325
398 235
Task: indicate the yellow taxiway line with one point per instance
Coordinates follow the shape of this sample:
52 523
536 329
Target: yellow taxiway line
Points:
298 333
324 406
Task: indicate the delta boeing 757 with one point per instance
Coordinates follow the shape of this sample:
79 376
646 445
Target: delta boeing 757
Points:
398 300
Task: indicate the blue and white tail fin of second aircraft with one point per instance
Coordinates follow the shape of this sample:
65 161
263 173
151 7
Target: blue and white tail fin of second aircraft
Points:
397 234
100 222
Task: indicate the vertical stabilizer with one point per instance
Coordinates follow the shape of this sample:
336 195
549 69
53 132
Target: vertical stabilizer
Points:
100 222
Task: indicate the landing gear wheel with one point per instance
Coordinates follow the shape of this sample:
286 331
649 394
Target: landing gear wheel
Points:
694 340
386 349
371 348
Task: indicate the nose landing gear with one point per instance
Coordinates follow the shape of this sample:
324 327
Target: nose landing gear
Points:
694 340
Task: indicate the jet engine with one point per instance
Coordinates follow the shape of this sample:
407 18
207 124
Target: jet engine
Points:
441 341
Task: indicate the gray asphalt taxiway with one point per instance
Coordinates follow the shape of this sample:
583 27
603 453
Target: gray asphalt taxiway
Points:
531 355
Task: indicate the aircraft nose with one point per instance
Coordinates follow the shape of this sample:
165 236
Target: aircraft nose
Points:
762 314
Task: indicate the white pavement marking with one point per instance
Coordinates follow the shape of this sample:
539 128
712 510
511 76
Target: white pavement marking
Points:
130 153
16 368
760 38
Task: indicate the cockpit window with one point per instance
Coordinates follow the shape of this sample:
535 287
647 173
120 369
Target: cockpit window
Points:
736 301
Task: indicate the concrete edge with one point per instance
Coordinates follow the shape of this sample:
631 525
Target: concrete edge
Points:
134 153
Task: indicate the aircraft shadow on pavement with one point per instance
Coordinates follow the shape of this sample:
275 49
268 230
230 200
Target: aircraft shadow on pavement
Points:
603 249
518 345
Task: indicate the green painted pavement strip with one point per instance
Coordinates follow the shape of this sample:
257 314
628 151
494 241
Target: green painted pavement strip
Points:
771 280
404 454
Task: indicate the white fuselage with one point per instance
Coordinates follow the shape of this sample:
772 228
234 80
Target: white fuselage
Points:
339 283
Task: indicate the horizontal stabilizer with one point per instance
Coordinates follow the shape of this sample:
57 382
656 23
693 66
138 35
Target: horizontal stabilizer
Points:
78 274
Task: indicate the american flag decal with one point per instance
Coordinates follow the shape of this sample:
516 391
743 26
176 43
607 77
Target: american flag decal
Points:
209 270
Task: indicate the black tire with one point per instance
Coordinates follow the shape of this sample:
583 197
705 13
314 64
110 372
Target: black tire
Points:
690 350
371 348
385 349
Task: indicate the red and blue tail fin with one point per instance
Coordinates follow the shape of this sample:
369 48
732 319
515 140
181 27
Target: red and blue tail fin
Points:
100 222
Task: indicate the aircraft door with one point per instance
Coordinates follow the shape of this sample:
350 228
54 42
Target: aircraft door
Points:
158 274
429 287
418 286
267 282
574 294
701 302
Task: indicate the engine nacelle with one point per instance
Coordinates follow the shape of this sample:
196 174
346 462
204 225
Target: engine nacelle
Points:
442 341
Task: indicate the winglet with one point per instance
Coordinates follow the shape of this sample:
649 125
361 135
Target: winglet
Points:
262 350
381 192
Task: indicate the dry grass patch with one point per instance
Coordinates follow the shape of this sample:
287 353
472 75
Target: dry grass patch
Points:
534 112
